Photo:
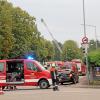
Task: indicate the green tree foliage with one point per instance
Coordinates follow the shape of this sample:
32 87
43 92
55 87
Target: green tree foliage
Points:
7 40
49 47
71 50
46 50
18 31
94 57
57 53
24 30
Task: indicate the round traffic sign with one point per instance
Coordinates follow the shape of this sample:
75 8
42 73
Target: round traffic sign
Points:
85 39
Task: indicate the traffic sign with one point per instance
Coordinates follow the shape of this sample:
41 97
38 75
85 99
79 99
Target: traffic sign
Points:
85 40
85 45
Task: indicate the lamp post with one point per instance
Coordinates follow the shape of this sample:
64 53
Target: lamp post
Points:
86 53
84 19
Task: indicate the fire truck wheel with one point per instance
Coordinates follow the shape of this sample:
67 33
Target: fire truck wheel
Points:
43 84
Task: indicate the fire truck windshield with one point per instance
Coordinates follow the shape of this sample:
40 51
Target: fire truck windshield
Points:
43 68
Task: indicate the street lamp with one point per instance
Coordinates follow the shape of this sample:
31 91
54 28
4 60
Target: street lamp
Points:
85 44
84 19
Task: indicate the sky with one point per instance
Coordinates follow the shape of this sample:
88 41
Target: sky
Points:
63 17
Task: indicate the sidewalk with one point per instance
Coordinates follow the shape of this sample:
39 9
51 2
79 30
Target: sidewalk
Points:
83 83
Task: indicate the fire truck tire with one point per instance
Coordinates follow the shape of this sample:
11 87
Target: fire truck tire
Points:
43 84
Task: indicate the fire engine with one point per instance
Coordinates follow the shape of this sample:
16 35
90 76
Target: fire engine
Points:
81 66
23 72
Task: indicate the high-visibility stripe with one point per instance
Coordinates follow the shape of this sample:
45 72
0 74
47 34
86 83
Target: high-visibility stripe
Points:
31 80
2 81
2 76
36 80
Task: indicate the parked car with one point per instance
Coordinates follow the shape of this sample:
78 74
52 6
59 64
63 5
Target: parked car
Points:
69 73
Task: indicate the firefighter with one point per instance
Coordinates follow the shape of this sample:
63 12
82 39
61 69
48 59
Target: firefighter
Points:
55 81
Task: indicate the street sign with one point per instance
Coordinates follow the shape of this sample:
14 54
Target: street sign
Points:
85 45
85 40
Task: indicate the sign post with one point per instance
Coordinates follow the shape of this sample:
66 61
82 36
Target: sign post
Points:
85 48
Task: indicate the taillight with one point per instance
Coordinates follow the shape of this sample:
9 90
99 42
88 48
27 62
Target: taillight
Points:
70 75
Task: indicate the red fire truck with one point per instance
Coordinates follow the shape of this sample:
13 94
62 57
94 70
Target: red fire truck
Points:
81 66
23 72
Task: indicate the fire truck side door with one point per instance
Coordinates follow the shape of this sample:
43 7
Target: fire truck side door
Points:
31 72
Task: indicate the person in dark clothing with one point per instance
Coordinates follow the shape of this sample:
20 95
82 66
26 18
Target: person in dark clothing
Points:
54 78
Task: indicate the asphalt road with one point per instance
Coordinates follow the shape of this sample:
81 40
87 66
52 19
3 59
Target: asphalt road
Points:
66 92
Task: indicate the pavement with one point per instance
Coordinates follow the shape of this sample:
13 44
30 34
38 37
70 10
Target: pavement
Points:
84 83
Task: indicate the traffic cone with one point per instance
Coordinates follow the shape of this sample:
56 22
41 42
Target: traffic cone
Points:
1 92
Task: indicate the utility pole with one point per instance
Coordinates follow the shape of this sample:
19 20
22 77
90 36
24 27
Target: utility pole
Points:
84 19
85 39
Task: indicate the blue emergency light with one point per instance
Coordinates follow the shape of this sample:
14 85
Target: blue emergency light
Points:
30 57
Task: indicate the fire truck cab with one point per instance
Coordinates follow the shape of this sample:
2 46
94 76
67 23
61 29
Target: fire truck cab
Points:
24 72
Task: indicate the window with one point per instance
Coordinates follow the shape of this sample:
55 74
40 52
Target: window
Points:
1 66
31 66
40 65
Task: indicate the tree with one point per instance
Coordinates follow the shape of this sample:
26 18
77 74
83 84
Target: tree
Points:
24 30
18 31
71 50
57 53
47 50
7 40
94 57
